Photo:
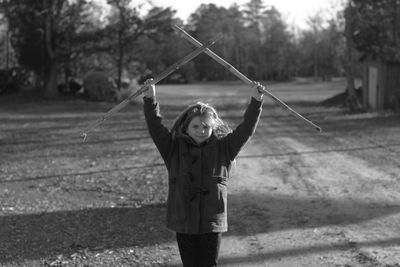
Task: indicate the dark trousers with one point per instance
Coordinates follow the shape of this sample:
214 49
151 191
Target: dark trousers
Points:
199 250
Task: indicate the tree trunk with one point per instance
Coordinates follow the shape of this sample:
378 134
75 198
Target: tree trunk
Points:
120 60
51 82
315 58
51 71
352 100
7 46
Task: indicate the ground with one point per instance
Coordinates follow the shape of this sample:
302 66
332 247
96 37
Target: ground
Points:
297 197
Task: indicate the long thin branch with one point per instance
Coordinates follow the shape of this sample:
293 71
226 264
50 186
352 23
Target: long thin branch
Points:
241 76
142 89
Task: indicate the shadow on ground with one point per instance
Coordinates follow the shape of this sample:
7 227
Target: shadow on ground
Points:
46 234
37 236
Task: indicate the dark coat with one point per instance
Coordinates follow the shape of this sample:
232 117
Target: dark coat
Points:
198 174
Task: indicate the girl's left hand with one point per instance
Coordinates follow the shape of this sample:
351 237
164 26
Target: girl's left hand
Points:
257 92
151 89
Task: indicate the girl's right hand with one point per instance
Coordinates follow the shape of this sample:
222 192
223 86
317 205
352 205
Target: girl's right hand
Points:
151 89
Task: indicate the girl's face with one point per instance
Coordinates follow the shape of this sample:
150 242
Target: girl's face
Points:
199 130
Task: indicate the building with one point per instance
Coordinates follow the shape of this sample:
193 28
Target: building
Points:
381 85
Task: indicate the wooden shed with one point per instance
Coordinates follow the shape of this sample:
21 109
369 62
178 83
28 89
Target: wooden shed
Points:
381 85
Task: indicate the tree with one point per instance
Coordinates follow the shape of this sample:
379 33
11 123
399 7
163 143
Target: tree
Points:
156 54
236 38
208 21
315 22
127 27
39 31
256 40
321 48
375 27
254 12
124 28
372 28
7 52
158 46
276 47
352 100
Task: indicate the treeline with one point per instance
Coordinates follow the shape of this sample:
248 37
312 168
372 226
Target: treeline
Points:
260 44
57 40
60 39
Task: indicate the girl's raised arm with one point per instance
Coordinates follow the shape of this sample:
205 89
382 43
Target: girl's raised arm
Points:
246 128
158 132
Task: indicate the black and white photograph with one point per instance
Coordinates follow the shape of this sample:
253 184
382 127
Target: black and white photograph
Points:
200 133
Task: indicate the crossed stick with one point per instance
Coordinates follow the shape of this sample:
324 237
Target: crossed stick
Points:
241 76
201 48
158 78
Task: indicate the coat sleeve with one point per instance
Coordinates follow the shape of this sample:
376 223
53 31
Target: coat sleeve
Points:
159 133
243 132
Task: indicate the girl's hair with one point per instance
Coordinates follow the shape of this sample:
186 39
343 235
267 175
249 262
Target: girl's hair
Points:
209 116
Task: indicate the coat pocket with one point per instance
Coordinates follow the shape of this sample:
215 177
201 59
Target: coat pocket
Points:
217 199
220 180
220 171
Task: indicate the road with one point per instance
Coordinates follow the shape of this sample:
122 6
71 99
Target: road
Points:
296 198
302 198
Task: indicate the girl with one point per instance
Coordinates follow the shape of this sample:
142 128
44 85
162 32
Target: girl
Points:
198 152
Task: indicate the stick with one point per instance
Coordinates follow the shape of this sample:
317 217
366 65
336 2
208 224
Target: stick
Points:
241 76
143 88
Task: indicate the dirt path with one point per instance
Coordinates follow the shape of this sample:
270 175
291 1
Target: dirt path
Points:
297 198
310 201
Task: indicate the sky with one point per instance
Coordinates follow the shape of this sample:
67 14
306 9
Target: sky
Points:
295 12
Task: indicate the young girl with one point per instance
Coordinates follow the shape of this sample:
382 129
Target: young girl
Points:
198 152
